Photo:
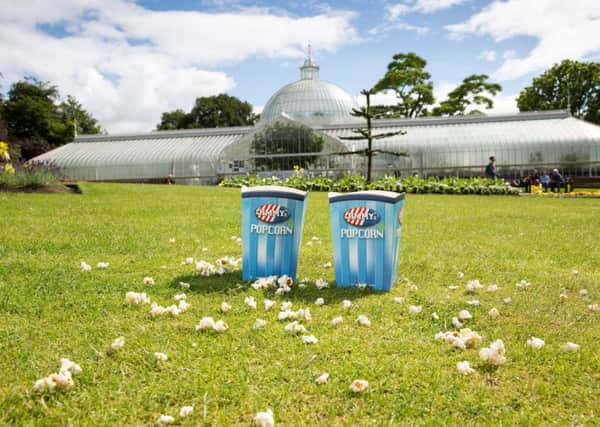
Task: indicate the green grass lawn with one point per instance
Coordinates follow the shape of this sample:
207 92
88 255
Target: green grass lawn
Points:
50 309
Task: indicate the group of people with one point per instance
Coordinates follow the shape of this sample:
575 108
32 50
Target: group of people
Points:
553 181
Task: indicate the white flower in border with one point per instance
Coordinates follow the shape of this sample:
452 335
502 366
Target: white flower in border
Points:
460 275
184 285
472 302
286 305
164 420
118 343
359 386
323 378
321 284
185 411
415 309
205 324
570 347
179 297
85 266
103 265
494 354
264 419
492 288
225 307
327 265
269 304
220 326
148 281
249 301
583 292
260 323
507 300
363 321
399 300
456 323
493 313
346 304
320 301
464 315
161 357
535 343
309 339
464 368
337 320
435 316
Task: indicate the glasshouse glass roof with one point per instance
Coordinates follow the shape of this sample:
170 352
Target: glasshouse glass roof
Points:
310 100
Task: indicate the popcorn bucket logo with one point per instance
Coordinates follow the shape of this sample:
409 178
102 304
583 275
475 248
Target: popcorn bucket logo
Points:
272 213
361 217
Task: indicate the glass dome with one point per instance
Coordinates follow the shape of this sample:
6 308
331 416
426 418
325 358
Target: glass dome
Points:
311 100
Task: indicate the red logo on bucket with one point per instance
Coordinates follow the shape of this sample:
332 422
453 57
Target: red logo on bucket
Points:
361 217
272 213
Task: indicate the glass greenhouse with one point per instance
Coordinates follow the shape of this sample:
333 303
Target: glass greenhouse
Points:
304 124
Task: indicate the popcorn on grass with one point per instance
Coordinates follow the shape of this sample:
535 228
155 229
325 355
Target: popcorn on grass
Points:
294 328
320 301
473 285
225 307
103 265
323 378
359 386
464 368
183 285
456 323
185 411
85 266
346 304
161 357
399 300
523 284
164 420
363 321
249 301
321 284
570 347
148 281
309 339
208 323
137 298
494 313
415 309
58 381
465 338
465 315
260 323
264 419
268 304
118 343
535 343
494 354
337 320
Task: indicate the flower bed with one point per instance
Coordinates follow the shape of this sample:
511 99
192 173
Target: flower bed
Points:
389 183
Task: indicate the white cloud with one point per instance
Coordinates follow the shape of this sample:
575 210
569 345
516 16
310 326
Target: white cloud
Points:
488 55
127 64
397 26
564 30
419 6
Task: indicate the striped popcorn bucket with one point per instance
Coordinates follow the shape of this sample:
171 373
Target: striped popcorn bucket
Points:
272 221
365 227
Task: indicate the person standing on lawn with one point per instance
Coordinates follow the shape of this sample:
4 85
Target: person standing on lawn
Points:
556 180
490 169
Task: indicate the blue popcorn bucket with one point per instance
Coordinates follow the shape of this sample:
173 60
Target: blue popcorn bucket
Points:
365 227
272 221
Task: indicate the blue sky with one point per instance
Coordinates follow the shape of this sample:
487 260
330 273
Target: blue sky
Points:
129 61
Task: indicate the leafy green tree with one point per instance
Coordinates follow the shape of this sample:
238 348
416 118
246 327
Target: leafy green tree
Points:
171 120
282 138
473 90
75 115
367 133
210 112
406 76
569 85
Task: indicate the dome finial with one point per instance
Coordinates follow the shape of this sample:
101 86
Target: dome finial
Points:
310 70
